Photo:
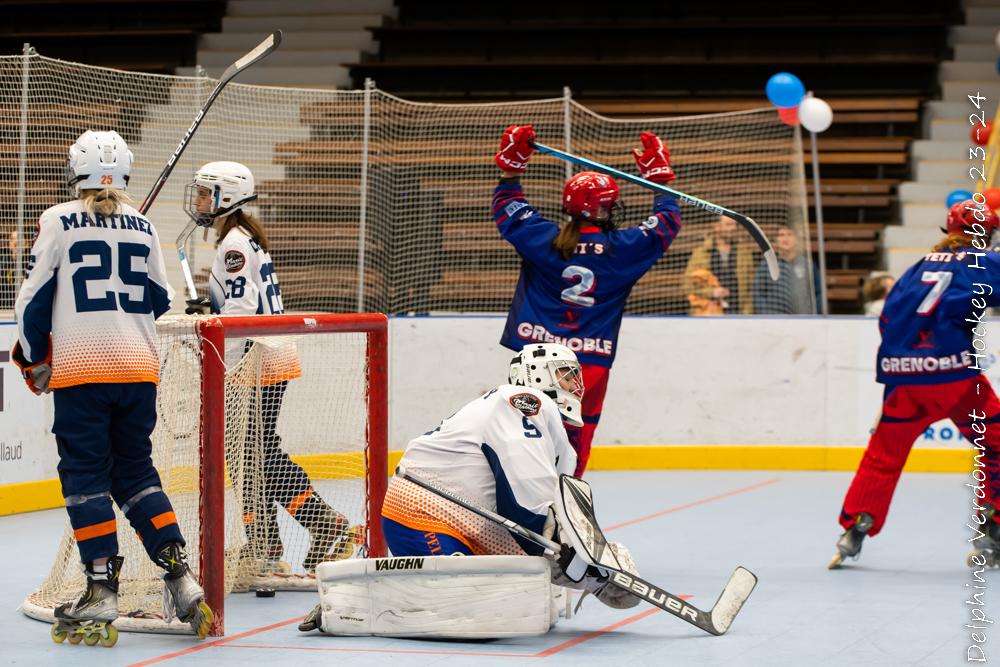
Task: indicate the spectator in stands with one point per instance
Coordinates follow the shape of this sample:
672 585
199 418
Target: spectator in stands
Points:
730 260
704 293
790 294
875 290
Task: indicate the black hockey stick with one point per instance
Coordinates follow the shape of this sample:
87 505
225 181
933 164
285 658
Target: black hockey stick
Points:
716 621
256 54
755 231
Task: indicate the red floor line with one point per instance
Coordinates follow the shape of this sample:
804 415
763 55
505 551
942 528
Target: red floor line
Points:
703 501
336 649
222 643
541 654
597 633
217 642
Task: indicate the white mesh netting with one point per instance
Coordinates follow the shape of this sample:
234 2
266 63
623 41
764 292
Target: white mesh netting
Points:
374 203
279 511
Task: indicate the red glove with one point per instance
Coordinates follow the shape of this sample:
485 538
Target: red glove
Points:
654 159
515 148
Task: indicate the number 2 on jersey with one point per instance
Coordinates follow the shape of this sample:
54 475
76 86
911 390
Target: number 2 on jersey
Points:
939 281
584 280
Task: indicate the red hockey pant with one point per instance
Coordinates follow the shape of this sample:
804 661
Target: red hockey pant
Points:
907 410
595 386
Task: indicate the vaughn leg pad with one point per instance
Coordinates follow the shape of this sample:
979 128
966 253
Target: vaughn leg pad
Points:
439 596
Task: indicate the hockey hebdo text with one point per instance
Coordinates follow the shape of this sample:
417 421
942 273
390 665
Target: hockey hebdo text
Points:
979 622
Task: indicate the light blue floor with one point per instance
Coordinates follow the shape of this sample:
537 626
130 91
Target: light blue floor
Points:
903 603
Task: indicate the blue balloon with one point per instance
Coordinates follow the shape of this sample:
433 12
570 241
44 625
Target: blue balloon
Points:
785 90
957 197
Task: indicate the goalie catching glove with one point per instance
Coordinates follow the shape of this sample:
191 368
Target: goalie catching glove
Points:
36 376
515 148
653 159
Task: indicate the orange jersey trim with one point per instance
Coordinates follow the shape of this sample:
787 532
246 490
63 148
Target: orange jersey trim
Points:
72 380
96 530
296 503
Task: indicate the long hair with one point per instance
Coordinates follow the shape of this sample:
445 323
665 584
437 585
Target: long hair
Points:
567 238
250 224
951 242
105 201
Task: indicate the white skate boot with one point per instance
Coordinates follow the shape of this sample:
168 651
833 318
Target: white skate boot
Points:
183 596
90 618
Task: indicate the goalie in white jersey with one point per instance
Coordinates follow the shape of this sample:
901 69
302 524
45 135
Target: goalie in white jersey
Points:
243 282
96 282
503 452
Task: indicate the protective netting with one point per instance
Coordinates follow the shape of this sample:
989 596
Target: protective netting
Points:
374 203
279 510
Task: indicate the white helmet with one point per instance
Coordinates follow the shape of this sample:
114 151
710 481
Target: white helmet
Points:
554 370
98 160
230 185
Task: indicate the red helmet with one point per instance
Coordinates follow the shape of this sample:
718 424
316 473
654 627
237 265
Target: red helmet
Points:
963 215
587 193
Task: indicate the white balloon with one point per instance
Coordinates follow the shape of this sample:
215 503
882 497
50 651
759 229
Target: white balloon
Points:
815 114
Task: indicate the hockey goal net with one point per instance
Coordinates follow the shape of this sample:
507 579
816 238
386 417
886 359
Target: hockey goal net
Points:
215 450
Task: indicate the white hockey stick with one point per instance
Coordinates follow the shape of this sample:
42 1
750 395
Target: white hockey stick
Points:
715 621
256 54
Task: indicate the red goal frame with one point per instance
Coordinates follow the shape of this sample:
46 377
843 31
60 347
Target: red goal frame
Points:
213 333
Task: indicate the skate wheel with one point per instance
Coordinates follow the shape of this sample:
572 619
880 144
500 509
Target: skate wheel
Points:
203 620
835 562
110 636
75 638
91 638
58 636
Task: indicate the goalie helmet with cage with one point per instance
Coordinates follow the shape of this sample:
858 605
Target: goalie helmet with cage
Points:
218 189
593 197
98 160
554 370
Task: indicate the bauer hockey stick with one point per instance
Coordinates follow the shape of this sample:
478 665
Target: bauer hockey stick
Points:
256 54
715 621
755 231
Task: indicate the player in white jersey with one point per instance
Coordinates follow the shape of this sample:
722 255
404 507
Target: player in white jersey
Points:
96 282
504 452
243 282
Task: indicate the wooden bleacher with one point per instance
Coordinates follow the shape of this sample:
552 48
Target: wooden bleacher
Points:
125 34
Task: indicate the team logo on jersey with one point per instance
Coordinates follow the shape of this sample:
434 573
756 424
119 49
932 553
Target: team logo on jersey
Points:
513 207
235 261
651 222
528 404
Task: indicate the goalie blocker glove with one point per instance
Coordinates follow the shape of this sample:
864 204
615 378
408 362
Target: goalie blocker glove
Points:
515 148
653 159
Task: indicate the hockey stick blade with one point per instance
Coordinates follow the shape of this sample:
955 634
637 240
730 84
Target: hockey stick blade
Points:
182 256
716 621
745 221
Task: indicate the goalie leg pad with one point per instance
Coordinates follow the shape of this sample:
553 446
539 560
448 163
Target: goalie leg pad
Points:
451 597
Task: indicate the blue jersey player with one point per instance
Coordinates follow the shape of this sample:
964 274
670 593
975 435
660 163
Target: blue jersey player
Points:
931 366
576 277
